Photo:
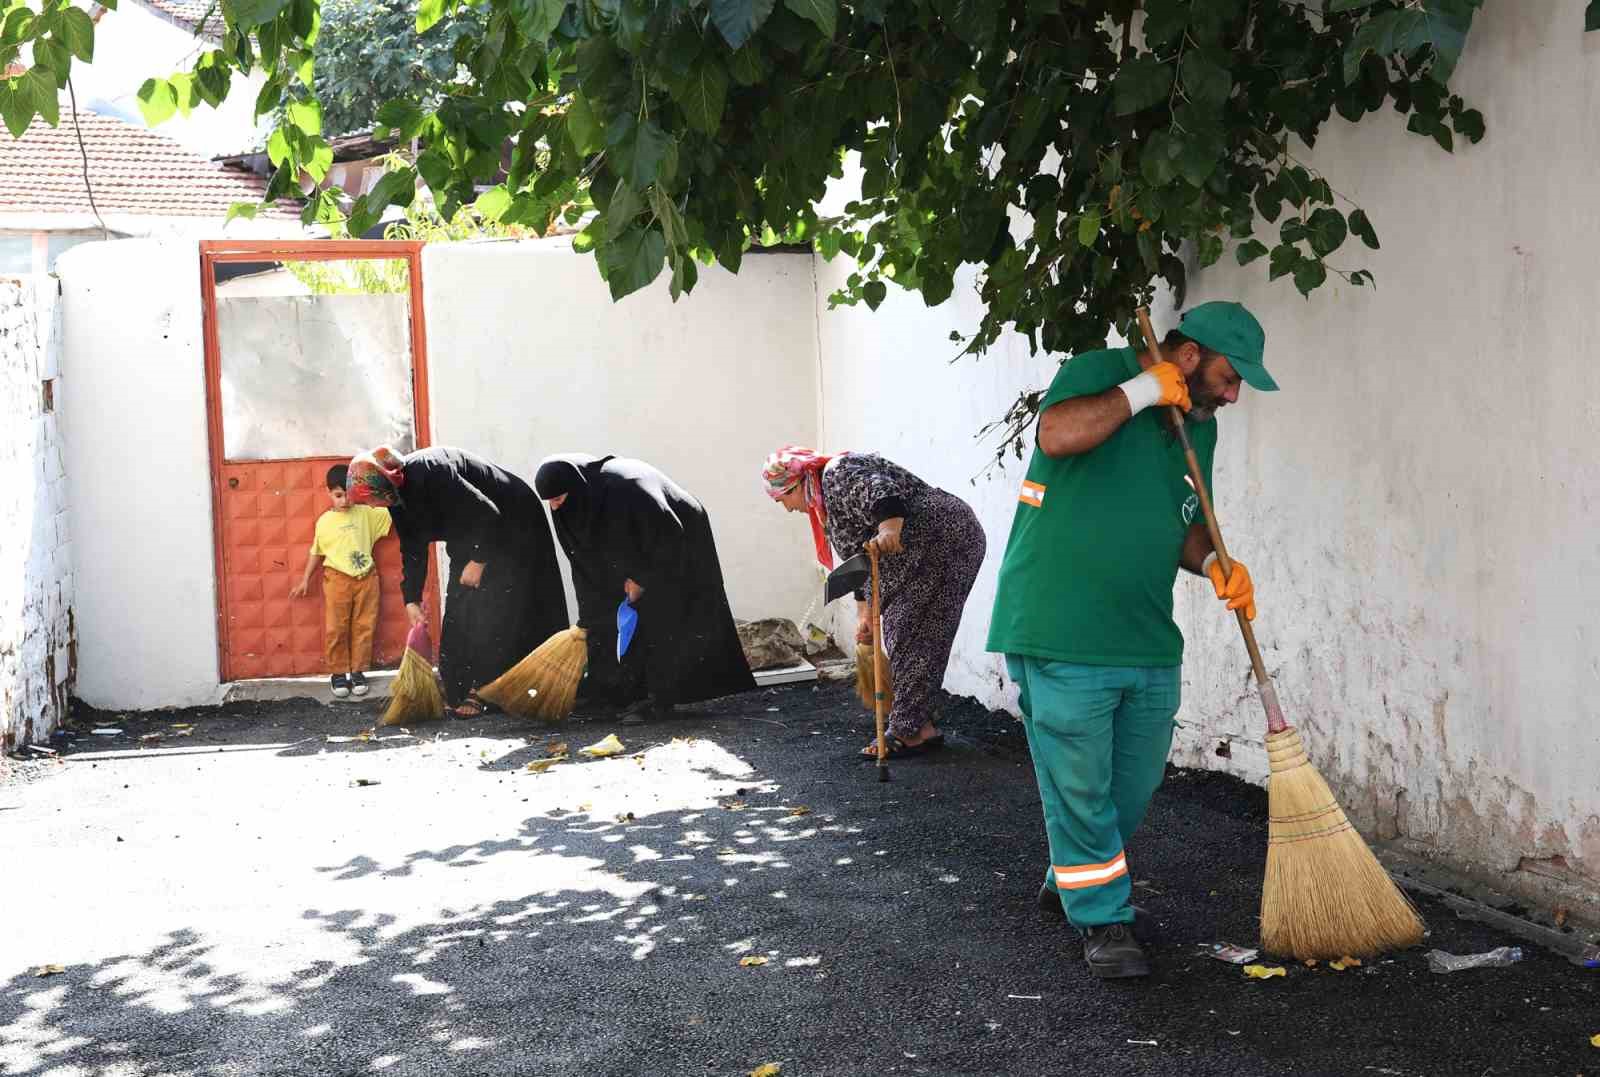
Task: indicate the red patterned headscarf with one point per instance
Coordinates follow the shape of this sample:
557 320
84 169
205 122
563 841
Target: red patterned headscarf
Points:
794 465
376 477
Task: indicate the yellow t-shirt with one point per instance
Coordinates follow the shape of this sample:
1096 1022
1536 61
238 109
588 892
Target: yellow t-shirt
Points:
345 538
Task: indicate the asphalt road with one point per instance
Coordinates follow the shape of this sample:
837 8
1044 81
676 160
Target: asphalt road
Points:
230 900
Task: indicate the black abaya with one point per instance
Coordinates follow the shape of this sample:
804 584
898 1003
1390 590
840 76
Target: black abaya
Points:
622 520
481 513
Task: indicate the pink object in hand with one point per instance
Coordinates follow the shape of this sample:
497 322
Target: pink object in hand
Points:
417 640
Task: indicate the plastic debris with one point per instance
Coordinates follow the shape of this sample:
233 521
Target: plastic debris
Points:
752 962
1233 955
1589 958
108 731
1441 962
600 749
1264 972
767 1069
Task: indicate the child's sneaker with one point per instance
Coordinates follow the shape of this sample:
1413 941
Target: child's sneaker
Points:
341 686
358 684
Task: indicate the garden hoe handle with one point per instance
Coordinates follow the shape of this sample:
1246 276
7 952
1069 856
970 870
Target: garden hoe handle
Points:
877 666
1269 695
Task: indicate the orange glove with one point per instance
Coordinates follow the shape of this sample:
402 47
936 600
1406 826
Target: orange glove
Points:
1237 590
1160 385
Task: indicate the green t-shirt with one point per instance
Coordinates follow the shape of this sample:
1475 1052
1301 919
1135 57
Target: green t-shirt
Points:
1094 547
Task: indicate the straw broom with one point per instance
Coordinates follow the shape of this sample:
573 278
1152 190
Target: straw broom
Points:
544 684
1325 894
415 695
867 682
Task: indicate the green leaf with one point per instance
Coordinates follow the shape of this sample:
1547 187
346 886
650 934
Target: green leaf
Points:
493 203
402 117
824 14
1325 231
1140 83
670 220
1249 251
738 20
16 106
582 127
1089 228
248 14
52 57
1591 16
1285 257
747 66
1363 228
278 151
1469 124
634 260
429 12
398 188
306 115
77 31
270 97
1204 81
46 94
157 102
1268 202
702 95
1210 248
537 19
874 292
625 206
247 210
1309 275
641 151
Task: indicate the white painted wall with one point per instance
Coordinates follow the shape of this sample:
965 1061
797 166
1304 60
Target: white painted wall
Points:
136 447
36 582
132 44
528 356
1419 504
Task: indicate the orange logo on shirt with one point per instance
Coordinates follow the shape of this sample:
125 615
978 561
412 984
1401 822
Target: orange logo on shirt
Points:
1032 494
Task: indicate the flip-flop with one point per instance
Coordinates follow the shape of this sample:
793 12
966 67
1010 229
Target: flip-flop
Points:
468 709
898 748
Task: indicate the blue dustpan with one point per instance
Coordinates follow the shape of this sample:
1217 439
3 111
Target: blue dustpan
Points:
627 622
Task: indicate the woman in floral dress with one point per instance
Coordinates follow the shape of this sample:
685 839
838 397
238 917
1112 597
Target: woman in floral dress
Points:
931 546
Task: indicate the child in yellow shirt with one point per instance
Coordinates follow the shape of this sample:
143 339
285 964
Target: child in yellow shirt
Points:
343 546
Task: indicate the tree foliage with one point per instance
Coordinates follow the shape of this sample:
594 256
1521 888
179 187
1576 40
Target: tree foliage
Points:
369 52
1074 151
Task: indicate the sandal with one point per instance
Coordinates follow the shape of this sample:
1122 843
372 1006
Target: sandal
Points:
469 708
895 747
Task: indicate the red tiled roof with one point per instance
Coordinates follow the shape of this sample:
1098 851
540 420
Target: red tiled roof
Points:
188 13
133 169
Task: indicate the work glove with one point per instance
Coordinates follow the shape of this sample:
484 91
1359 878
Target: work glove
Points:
1237 590
1161 384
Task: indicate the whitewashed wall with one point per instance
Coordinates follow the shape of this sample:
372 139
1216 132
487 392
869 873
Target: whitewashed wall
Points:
1420 503
36 581
529 356
141 498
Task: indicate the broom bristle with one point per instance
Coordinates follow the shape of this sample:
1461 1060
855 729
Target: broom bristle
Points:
866 681
544 684
1325 896
415 695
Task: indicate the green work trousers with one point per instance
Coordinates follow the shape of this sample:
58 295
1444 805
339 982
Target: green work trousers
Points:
1099 736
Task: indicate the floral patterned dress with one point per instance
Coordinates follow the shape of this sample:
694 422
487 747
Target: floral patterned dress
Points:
923 589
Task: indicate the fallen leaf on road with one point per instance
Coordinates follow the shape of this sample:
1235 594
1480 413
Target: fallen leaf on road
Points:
1594 1041
539 766
1263 972
57 970
1311 963
1344 963
150 738
600 749
752 962
800 809
735 805
1561 916
767 1069
556 749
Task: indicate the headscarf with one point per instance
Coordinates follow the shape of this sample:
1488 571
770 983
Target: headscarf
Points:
375 477
567 473
794 465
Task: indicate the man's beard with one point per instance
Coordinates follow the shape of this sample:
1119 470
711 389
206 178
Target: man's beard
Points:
1202 413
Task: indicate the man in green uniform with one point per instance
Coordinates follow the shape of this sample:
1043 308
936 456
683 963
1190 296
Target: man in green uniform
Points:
1083 614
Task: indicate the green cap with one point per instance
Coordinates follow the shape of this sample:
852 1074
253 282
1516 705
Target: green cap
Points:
1230 329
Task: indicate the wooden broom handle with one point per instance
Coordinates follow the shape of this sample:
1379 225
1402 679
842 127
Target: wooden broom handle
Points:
1269 695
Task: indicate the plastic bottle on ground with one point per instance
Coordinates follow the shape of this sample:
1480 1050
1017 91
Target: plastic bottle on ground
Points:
1439 961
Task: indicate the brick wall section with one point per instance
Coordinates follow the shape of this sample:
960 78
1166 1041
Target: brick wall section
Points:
37 652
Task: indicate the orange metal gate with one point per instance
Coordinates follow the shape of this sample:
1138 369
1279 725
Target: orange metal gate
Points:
265 510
